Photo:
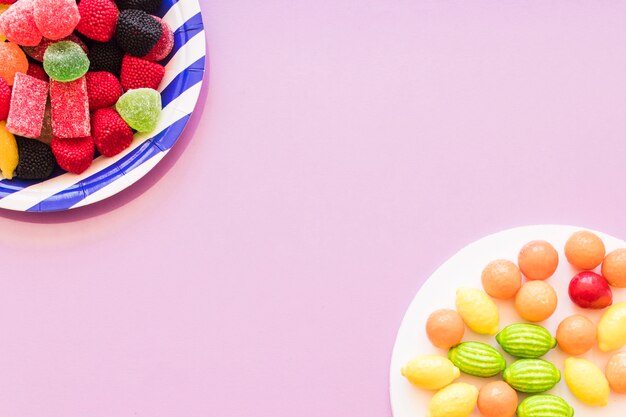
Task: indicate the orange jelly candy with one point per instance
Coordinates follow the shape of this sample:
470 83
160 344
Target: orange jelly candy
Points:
13 60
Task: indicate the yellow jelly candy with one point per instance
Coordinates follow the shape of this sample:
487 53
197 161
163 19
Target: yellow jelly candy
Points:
612 328
478 310
8 152
455 400
587 382
430 371
3 8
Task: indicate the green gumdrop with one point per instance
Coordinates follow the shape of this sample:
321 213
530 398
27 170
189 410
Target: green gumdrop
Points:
65 61
140 108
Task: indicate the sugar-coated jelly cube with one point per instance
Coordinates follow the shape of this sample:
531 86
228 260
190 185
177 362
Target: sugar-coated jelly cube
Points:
28 104
70 108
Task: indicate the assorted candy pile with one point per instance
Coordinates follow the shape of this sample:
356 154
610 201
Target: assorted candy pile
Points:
76 79
535 301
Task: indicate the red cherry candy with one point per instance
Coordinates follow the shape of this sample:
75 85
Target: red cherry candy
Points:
590 290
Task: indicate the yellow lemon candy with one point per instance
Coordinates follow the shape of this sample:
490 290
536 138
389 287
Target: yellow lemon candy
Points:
587 382
8 152
430 371
612 328
478 311
455 400
3 8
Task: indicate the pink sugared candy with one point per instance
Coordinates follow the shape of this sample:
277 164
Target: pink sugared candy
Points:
28 103
17 24
590 290
70 108
56 19
165 44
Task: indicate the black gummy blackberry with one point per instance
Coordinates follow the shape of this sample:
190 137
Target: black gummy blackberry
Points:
105 57
149 6
36 160
137 32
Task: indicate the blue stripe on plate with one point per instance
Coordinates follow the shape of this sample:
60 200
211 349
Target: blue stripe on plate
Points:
183 81
77 192
182 35
165 7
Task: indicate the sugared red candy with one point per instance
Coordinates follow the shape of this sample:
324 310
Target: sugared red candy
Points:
111 134
103 89
140 108
28 103
13 60
98 19
36 161
37 52
73 155
590 290
70 109
5 99
140 73
8 152
165 44
137 32
38 72
17 24
65 61
56 19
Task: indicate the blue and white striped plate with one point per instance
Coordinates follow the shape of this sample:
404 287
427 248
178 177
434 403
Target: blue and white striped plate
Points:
180 88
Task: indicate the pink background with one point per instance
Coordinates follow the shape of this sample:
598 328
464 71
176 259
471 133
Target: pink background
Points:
342 151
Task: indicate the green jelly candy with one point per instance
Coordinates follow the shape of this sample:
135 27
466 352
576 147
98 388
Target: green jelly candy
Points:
140 108
65 61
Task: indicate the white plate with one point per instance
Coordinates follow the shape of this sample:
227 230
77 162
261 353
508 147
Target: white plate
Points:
464 270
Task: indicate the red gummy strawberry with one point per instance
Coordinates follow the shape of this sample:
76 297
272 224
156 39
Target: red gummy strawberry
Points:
98 19
110 132
38 72
140 73
5 99
73 155
103 89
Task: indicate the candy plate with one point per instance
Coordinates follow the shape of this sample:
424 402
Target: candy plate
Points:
180 89
464 270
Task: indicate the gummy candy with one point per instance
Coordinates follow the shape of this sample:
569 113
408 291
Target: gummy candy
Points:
140 108
137 32
35 160
3 8
46 129
70 109
17 24
37 52
13 60
165 44
28 104
65 61
8 152
56 19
